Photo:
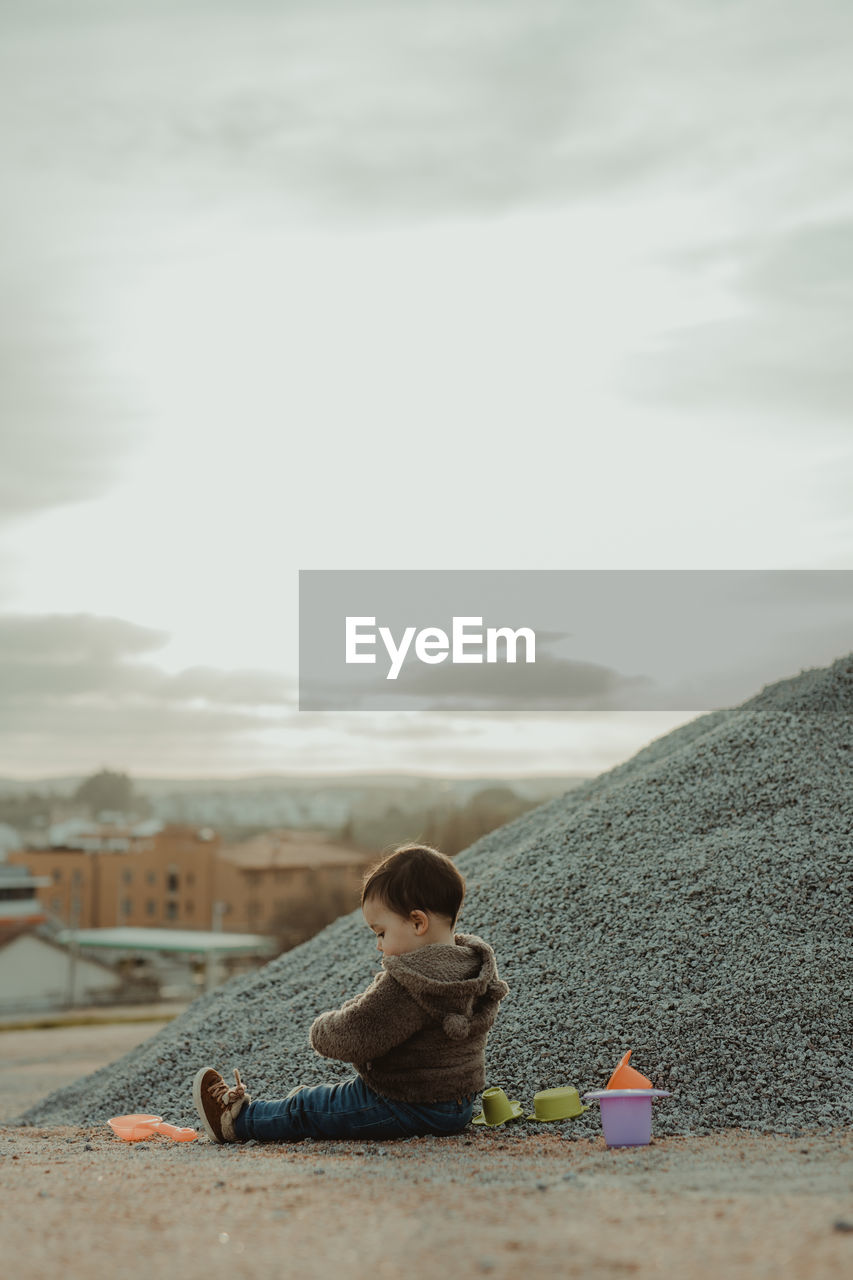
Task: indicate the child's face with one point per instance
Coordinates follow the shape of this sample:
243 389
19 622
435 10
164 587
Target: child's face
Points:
395 935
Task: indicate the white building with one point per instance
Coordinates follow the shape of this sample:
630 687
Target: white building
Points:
36 973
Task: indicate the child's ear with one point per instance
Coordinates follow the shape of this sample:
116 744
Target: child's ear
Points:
420 921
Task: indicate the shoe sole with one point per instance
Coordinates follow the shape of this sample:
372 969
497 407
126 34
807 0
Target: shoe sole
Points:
199 1105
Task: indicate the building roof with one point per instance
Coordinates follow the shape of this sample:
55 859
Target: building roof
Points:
128 938
292 849
34 933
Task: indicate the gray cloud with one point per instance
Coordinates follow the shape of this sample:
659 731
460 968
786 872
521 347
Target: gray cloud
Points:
65 434
786 351
375 109
76 691
369 108
413 728
325 111
551 683
70 636
314 111
84 661
65 727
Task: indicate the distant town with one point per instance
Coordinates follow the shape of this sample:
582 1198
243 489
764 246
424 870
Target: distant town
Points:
122 890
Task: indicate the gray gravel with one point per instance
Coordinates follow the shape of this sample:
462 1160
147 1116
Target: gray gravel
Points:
693 904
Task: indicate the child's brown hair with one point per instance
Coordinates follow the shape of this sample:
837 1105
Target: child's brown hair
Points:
416 877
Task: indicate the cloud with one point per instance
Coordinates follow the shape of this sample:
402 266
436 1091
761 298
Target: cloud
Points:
411 728
549 684
785 349
80 692
72 637
319 111
70 676
370 110
550 681
66 432
361 109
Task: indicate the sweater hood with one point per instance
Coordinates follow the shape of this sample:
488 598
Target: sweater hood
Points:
456 983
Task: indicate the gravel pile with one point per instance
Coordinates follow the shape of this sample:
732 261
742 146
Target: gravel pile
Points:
693 904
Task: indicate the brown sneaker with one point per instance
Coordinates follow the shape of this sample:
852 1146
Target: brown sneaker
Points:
219 1104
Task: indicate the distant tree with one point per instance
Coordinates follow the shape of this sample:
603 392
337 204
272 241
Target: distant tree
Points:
24 810
305 913
452 829
447 826
106 790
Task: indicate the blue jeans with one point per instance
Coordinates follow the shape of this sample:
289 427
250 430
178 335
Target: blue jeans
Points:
348 1109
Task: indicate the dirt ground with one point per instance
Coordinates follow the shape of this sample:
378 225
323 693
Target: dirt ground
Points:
80 1203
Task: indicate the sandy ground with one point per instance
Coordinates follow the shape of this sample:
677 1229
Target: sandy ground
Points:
78 1202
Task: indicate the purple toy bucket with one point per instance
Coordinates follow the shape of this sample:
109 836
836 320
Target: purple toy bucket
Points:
626 1115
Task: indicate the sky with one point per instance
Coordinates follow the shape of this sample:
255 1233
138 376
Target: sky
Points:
539 285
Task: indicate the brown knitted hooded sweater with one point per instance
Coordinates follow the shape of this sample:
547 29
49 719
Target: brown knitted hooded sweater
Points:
418 1033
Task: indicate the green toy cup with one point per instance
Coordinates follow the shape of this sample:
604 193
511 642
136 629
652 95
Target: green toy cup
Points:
556 1104
497 1108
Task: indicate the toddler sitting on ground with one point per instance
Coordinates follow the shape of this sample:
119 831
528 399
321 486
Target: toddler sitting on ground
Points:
416 1036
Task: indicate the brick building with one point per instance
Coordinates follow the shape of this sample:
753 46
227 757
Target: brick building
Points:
290 883
286 883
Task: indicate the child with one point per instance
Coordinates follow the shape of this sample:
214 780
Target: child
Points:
416 1036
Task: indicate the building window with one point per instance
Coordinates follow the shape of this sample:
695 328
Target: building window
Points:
76 877
151 877
172 881
57 875
188 907
171 910
151 907
127 876
190 877
126 907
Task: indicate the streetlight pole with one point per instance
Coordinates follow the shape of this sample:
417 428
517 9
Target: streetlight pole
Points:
73 949
211 974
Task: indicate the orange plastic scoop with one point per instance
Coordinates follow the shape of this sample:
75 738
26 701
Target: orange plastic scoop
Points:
175 1133
625 1077
134 1128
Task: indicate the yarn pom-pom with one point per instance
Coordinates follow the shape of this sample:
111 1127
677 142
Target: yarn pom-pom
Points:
456 1026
